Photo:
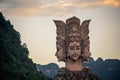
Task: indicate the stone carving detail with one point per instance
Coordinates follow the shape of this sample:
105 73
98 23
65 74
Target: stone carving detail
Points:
69 32
60 43
85 40
85 74
73 45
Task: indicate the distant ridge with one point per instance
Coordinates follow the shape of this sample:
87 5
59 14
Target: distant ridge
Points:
108 69
50 70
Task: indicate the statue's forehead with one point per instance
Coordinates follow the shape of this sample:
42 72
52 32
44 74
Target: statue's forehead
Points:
74 43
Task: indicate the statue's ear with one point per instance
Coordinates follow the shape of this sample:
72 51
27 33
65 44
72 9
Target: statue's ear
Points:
85 29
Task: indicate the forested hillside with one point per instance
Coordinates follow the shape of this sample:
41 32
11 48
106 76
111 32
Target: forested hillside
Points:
14 61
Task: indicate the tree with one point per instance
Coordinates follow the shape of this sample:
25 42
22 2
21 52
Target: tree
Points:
14 61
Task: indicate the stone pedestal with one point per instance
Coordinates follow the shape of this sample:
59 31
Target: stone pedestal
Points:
85 74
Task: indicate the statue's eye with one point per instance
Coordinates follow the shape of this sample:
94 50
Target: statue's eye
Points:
71 48
78 48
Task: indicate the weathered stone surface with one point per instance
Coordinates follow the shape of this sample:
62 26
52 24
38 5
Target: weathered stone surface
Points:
85 40
70 32
60 43
85 74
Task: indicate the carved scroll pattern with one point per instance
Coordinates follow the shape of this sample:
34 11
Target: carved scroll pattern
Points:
85 40
60 39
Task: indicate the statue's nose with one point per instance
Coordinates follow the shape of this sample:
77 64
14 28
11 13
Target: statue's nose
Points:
75 50
75 53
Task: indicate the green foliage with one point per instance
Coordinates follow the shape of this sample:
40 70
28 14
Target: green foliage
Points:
14 61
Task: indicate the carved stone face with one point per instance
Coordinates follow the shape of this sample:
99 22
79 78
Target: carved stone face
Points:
59 53
86 52
74 50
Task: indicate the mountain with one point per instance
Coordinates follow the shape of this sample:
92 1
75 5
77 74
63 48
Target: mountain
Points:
108 69
14 61
50 70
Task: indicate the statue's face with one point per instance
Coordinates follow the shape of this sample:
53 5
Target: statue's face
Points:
74 50
60 53
86 52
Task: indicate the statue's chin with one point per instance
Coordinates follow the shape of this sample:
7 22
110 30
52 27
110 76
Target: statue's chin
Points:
74 58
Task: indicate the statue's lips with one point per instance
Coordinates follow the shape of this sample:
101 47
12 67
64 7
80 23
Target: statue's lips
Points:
75 56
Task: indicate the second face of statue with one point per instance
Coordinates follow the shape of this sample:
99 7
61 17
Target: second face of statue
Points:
60 53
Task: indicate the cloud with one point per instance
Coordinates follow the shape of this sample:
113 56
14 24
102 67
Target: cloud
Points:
60 7
112 2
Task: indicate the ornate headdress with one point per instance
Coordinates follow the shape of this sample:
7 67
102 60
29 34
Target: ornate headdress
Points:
60 39
73 31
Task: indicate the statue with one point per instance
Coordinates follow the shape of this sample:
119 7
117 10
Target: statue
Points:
73 48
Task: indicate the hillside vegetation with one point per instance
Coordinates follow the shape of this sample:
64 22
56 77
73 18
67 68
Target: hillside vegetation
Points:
14 61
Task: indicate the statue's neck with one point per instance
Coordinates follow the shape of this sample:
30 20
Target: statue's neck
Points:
74 65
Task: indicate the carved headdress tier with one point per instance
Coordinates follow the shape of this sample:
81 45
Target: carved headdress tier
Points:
73 20
72 31
61 36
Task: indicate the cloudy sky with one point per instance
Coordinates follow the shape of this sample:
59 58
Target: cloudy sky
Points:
34 20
